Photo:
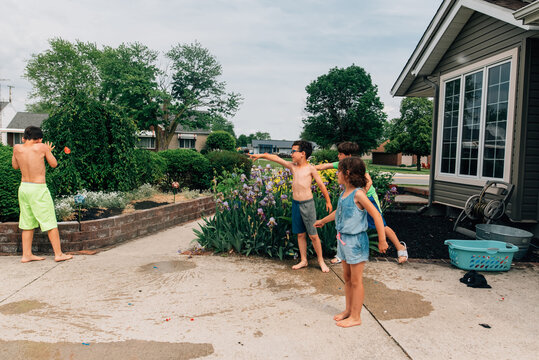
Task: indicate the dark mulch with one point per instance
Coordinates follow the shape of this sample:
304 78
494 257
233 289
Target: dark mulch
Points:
148 204
425 235
96 213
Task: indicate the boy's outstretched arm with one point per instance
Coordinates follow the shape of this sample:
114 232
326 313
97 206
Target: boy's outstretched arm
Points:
323 188
320 223
362 198
274 158
320 167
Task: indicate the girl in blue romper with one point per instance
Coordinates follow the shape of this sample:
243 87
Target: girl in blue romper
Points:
352 240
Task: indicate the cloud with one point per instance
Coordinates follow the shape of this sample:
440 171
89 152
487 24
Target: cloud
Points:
270 50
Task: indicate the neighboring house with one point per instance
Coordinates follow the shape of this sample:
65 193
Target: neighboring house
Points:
7 112
183 139
271 146
379 156
21 121
479 60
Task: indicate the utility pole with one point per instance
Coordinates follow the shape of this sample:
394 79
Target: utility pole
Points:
10 87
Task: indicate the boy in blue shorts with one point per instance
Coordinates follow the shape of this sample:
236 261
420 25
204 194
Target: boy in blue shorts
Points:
303 210
35 201
347 149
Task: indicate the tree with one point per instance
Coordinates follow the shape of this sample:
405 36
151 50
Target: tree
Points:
220 140
129 78
411 133
343 105
243 140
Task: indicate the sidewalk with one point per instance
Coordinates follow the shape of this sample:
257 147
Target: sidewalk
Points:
142 300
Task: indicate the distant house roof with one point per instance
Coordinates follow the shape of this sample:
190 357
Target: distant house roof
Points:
278 143
381 148
22 120
181 129
3 104
445 26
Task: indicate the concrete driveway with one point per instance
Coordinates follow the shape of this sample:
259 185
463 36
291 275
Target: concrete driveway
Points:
143 300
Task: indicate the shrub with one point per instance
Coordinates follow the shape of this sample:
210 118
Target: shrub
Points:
11 178
228 161
320 156
220 140
150 167
189 168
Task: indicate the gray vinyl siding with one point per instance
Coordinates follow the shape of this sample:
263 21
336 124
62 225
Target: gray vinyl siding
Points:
530 169
483 37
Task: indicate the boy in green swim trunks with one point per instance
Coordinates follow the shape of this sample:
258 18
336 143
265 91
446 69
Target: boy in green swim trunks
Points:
303 211
347 149
35 202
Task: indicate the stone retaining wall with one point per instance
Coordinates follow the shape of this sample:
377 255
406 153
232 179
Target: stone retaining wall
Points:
100 233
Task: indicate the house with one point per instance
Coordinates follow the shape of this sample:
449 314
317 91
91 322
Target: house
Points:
379 156
479 60
7 112
15 129
274 146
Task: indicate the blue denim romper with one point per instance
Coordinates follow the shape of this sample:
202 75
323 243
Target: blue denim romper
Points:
351 224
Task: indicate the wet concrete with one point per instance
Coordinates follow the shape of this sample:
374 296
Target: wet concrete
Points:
131 349
21 307
168 266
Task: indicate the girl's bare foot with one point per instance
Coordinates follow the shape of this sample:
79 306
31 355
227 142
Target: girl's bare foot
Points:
349 322
342 315
63 257
300 265
323 266
26 259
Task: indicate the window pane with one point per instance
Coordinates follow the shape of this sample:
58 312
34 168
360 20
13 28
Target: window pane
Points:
496 120
473 88
146 143
450 125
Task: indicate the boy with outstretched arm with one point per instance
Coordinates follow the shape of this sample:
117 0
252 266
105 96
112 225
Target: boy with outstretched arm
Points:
303 209
35 201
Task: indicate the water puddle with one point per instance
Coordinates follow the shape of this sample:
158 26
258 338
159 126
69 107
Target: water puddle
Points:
21 307
389 304
131 349
168 266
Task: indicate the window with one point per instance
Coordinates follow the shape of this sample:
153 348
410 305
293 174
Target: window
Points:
187 143
265 148
475 119
17 139
146 142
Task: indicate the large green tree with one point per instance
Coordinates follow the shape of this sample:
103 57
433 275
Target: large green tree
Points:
411 133
343 105
129 78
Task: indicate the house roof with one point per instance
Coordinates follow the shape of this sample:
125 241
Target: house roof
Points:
3 104
278 143
529 14
22 120
182 130
448 21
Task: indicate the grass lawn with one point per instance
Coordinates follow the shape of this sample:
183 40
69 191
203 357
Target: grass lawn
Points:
397 169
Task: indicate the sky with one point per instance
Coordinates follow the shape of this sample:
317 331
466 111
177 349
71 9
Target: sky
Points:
269 50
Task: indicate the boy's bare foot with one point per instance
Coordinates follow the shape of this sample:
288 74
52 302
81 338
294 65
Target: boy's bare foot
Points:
300 265
324 267
341 316
349 322
63 257
26 259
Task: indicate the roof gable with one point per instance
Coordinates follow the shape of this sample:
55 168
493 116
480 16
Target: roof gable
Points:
24 119
447 23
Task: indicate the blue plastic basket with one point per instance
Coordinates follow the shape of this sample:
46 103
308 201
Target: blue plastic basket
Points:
481 255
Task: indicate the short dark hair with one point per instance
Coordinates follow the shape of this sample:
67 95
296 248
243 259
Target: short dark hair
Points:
304 146
32 133
348 148
353 170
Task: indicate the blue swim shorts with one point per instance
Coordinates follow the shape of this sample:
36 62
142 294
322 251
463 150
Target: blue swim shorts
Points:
370 220
303 217
353 248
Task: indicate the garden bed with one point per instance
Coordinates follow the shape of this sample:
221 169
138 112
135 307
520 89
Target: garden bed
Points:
425 235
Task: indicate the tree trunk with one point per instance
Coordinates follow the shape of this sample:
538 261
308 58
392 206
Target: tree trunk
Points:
418 162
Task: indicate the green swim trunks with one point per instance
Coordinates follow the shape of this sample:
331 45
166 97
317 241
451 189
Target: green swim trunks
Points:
37 208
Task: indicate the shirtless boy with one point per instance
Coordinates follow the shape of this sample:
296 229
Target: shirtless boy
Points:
303 210
35 201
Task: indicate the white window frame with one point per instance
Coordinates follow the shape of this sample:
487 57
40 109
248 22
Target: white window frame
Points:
510 56
147 137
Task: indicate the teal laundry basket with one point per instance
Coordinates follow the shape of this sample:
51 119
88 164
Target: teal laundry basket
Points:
481 255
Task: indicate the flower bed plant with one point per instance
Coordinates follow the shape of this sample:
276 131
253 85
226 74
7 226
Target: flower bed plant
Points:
253 214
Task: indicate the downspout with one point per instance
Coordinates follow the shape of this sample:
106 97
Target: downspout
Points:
433 138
